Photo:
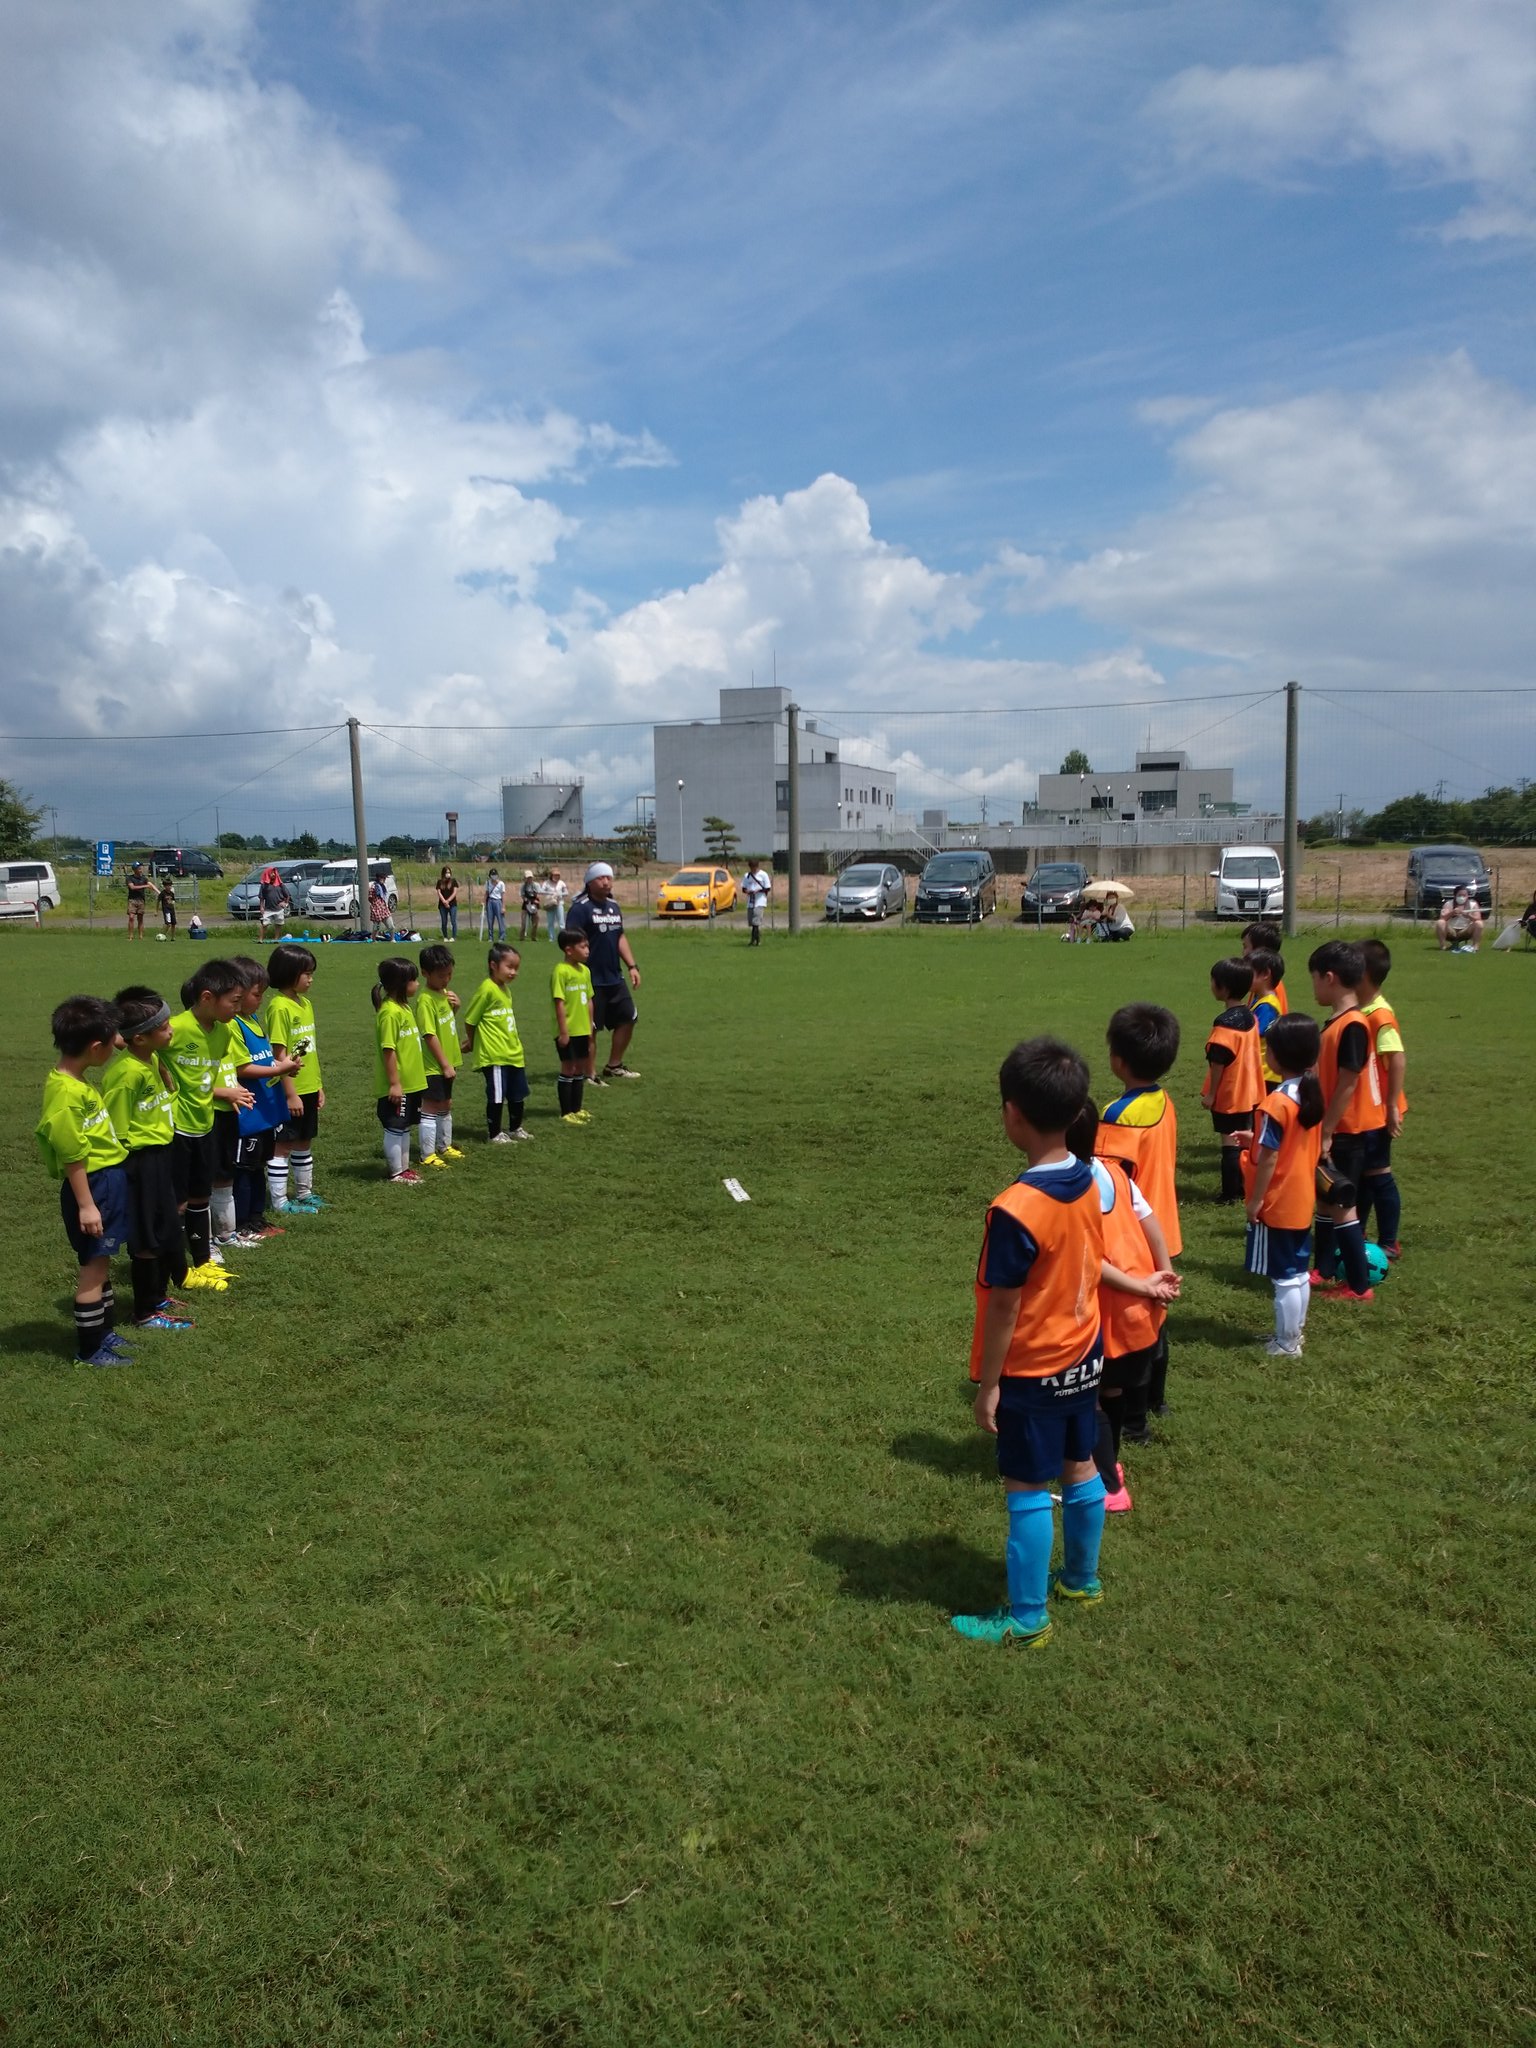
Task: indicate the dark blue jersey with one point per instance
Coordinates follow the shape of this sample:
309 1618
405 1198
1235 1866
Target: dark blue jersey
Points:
603 924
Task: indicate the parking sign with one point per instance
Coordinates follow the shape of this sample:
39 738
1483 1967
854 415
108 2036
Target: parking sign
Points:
104 856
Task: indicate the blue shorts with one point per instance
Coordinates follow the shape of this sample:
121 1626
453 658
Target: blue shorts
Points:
1043 1424
505 1084
109 1191
1378 1151
1277 1254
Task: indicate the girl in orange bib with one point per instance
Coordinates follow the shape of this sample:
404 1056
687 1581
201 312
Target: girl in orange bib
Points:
1280 1177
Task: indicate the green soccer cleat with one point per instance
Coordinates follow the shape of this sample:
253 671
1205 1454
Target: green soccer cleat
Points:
1087 1596
999 1627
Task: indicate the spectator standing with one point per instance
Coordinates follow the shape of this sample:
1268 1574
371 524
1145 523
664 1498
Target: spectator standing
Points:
448 904
138 888
528 923
553 897
274 899
495 906
756 885
611 962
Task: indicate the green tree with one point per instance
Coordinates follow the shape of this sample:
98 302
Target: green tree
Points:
721 838
636 844
1077 763
18 822
234 842
305 847
399 847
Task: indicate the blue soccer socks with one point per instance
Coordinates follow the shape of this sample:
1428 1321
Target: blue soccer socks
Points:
1030 1536
1082 1527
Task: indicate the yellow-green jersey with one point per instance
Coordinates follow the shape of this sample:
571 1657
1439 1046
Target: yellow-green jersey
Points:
75 1128
490 1017
572 985
138 1099
435 1018
395 1031
290 1022
194 1056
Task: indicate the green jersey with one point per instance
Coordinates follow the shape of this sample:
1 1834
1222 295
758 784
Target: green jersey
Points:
195 1055
572 986
435 1019
139 1099
75 1127
490 1018
395 1031
291 1024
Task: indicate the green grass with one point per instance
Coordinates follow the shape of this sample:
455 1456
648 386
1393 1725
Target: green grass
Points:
518 1614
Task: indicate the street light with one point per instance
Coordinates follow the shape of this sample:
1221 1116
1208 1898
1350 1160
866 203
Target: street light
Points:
682 851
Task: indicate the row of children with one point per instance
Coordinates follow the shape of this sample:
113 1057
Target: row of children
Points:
1069 1346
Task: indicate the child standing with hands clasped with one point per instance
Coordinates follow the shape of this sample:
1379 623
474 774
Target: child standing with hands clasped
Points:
400 1076
79 1144
1280 1173
1036 1352
436 1009
1234 1078
570 987
139 1092
290 1019
490 1030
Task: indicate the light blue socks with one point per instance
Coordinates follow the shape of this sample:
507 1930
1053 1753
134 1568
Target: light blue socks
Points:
1030 1536
1082 1526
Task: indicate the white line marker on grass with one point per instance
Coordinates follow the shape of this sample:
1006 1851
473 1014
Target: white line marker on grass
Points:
736 1191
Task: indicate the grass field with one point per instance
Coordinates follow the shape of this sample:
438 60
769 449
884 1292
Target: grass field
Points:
518 1612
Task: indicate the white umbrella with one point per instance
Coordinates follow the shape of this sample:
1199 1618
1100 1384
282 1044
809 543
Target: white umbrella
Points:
1095 892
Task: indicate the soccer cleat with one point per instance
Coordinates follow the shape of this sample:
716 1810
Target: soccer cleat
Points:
1276 1349
216 1255
104 1356
451 1152
161 1321
433 1160
266 1230
582 1116
576 1118
501 1138
1087 1596
1348 1294
999 1627
1318 1278
113 1341
308 1205
410 1178
620 1073
521 1137
596 1081
1118 1502
1393 1251
210 1276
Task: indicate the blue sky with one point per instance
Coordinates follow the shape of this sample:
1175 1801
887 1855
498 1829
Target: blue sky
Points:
473 363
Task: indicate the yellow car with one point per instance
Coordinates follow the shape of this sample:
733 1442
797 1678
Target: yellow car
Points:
696 892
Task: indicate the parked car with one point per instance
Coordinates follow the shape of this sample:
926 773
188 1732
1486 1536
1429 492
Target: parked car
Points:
1435 873
870 890
1052 891
27 886
956 888
697 892
173 860
1250 882
245 897
333 892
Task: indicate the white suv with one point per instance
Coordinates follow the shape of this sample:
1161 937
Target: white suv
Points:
1249 883
27 888
333 892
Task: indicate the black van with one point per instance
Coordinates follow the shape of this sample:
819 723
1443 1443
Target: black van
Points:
957 888
171 860
1435 873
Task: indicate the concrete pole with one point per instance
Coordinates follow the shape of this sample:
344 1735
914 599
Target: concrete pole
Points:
1292 693
359 825
792 712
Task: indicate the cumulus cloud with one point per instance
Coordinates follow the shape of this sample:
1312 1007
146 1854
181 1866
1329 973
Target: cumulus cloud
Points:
1443 95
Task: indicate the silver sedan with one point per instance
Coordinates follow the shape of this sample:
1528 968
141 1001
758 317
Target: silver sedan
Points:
866 893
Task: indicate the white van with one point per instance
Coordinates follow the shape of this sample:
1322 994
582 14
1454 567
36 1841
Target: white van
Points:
27 887
333 892
1249 883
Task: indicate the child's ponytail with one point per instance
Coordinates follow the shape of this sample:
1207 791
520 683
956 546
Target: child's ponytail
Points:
1293 1044
1309 1100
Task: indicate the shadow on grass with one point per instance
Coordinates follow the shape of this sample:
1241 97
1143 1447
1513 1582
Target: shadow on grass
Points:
929 1571
953 1457
49 1337
1206 1330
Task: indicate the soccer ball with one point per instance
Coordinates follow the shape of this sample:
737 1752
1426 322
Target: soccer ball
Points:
1377 1264
159 938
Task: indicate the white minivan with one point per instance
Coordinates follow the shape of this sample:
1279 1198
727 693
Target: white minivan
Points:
27 887
333 892
1249 883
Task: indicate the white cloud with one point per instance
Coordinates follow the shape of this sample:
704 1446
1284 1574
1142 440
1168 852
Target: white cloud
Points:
1444 95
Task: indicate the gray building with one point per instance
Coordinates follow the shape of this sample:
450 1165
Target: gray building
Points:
736 768
1161 785
541 810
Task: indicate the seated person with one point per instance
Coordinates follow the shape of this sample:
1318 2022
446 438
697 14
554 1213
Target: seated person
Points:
1460 923
1112 921
1528 917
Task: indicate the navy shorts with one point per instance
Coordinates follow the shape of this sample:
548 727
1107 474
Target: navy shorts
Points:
154 1226
439 1088
401 1117
1043 1424
303 1128
192 1166
505 1084
1378 1151
1277 1254
612 1005
1226 1121
109 1191
574 1050
226 1144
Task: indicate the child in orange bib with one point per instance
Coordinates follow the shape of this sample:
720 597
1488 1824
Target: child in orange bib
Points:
1234 1076
1280 1175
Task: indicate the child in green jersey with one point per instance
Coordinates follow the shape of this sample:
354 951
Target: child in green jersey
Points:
436 1005
230 1096
490 1032
570 987
199 1043
400 1075
79 1144
290 1020
139 1093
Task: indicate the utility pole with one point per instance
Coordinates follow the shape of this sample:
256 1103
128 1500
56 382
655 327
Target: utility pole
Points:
1288 914
359 823
792 713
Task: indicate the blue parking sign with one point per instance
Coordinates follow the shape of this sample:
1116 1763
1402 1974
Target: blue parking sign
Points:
104 856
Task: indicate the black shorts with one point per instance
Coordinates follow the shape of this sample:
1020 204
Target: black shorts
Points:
109 1191
303 1128
572 1051
1378 1151
226 1144
612 1005
154 1227
439 1088
255 1150
1228 1120
1133 1369
400 1118
1347 1154
192 1166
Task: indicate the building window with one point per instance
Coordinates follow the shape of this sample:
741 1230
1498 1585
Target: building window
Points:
1155 800
781 796
1207 802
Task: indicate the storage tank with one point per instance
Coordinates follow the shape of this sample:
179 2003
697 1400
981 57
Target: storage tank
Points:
541 810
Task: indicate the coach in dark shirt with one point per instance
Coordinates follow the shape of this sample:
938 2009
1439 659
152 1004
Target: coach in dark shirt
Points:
609 960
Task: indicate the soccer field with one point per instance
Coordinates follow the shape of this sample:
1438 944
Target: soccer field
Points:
518 1611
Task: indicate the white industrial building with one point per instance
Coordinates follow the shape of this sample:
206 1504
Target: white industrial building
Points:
541 810
736 768
1161 785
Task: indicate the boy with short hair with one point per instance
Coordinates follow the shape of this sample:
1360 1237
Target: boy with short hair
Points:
1378 1187
258 1068
139 1092
1264 937
290 1023
1352 1110
495 1048
1234 1079
165 896
570 988
1266 1001
198 1046
78 1143
230 1096
1140 1129
1036 1352
436 1008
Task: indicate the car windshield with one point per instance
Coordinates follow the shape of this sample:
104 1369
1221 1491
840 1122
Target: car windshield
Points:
860 878
1250 867
691 878
1056 878
337 876
954 870
1451 870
